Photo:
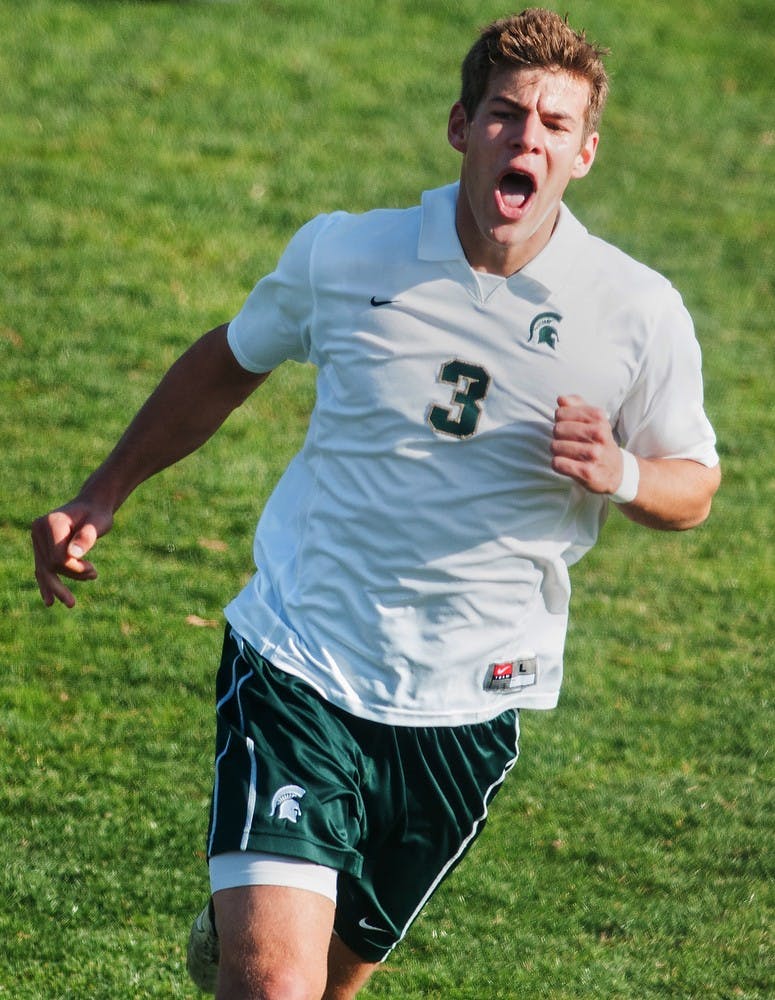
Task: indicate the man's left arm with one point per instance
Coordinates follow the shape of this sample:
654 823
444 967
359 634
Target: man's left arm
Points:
673 494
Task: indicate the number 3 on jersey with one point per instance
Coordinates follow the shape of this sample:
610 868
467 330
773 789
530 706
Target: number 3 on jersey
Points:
461 417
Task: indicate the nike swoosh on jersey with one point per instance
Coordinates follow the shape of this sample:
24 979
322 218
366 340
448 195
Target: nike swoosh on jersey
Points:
381 302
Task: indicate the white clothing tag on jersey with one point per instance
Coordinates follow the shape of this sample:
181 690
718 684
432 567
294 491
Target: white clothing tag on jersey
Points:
511 675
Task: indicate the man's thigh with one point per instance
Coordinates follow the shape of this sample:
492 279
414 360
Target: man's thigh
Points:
282 936
270 936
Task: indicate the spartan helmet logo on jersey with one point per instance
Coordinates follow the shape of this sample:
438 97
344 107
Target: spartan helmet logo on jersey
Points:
285 802
544 329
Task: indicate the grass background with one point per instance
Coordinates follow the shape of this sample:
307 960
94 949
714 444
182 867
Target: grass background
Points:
155 158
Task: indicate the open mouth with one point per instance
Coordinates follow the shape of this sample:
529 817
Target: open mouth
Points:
516 189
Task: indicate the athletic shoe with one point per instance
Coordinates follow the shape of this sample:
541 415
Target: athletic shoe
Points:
204 950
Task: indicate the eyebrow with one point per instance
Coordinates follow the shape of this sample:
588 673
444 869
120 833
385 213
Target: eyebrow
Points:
517 106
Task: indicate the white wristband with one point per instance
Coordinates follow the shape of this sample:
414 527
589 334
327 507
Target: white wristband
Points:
627 489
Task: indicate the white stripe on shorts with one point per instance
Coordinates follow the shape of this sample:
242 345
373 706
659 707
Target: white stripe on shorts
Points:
252 793
239 868
235 690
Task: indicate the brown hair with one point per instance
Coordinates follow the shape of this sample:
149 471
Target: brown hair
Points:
535 38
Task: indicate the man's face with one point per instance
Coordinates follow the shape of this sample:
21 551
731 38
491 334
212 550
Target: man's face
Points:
520 149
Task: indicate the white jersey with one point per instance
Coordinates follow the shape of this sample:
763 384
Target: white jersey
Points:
412 562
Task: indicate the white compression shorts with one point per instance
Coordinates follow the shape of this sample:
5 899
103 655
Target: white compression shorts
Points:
238 868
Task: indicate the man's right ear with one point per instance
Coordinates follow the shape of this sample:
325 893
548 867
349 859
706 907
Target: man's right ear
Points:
457 128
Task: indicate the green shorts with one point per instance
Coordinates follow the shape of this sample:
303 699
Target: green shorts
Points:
392 808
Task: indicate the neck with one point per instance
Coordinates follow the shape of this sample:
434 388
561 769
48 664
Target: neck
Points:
502 257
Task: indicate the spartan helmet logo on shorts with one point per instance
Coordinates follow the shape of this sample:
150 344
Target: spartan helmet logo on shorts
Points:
285 802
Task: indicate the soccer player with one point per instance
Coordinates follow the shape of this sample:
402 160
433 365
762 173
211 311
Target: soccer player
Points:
490 378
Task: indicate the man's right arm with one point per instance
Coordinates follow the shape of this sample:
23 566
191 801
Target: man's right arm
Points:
190 403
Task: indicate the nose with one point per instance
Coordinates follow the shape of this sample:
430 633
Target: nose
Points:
528 133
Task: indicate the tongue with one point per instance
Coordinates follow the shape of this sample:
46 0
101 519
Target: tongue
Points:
515 190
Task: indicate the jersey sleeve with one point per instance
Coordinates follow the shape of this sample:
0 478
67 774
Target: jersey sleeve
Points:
663 415
274 323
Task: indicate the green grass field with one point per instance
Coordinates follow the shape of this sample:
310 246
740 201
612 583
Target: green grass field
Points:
155 158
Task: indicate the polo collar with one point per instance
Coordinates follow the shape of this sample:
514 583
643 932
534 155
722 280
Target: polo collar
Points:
438 234
439 240
561 253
